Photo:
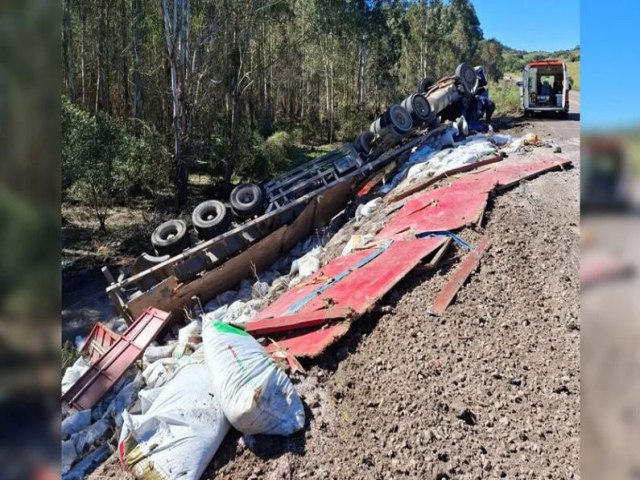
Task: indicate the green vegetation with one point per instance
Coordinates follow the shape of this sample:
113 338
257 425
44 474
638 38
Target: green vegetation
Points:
573 70
506 96
513 61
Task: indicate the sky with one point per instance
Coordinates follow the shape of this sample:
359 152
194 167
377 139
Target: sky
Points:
539 25
610 64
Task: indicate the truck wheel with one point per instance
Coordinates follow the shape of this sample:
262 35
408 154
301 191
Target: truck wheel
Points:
418 107
247 200
170 238
424 85
363 142
210 218
467 75
399 118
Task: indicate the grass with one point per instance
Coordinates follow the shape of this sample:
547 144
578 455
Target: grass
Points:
573 70
505 96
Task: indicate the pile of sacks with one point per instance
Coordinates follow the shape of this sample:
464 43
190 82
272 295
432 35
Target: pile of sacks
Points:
229 380
166 414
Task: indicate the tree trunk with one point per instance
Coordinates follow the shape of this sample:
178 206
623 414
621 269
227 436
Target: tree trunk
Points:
172 32
102 82
124 57
67 51
362 71
137 63
83 59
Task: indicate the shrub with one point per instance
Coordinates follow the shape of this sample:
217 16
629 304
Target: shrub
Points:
103 163
276 151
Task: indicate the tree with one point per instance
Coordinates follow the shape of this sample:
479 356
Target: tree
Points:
490 56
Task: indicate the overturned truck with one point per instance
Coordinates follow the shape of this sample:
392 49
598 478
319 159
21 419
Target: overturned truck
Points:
233 240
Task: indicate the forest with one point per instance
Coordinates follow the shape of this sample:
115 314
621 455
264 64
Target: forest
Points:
154 92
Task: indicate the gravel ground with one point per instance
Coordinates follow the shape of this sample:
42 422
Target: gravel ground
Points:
491 389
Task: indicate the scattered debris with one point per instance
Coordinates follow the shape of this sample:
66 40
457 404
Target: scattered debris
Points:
103 374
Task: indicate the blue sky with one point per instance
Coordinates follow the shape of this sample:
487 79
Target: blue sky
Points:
539 25
610 63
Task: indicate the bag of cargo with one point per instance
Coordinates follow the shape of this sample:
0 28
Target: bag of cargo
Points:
180 432
255 394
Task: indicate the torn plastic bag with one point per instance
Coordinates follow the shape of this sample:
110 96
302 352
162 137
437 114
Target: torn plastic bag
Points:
256 396
179 434
74 372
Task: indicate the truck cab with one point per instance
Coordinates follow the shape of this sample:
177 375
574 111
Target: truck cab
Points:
545 87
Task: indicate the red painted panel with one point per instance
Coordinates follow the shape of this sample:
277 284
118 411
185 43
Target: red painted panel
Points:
298 321
461 203
98 342
103 374
362 287
311 344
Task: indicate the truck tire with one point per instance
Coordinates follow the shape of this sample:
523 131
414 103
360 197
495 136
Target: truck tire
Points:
424 85
467 76
170 237
363 142
247 200
418 107
210 218
399 118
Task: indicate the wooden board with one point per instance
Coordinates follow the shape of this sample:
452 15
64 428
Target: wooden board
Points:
466 267
463 202
310 344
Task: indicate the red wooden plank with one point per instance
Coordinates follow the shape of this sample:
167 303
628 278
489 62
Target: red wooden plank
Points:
311 344
468 264
360 289
461 203
449 211
103 374
98 342
298 321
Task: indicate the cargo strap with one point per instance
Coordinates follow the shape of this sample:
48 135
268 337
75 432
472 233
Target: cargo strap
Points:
446 233
340 276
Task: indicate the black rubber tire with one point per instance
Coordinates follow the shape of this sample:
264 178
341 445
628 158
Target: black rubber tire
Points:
170 237
399 118
424 85
247 200
467 75
210 218
418 107
364 142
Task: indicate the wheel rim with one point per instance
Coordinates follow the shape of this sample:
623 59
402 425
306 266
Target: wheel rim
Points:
246 197
421 107
400 118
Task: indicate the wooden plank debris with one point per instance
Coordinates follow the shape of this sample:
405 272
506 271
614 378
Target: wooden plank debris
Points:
466 267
